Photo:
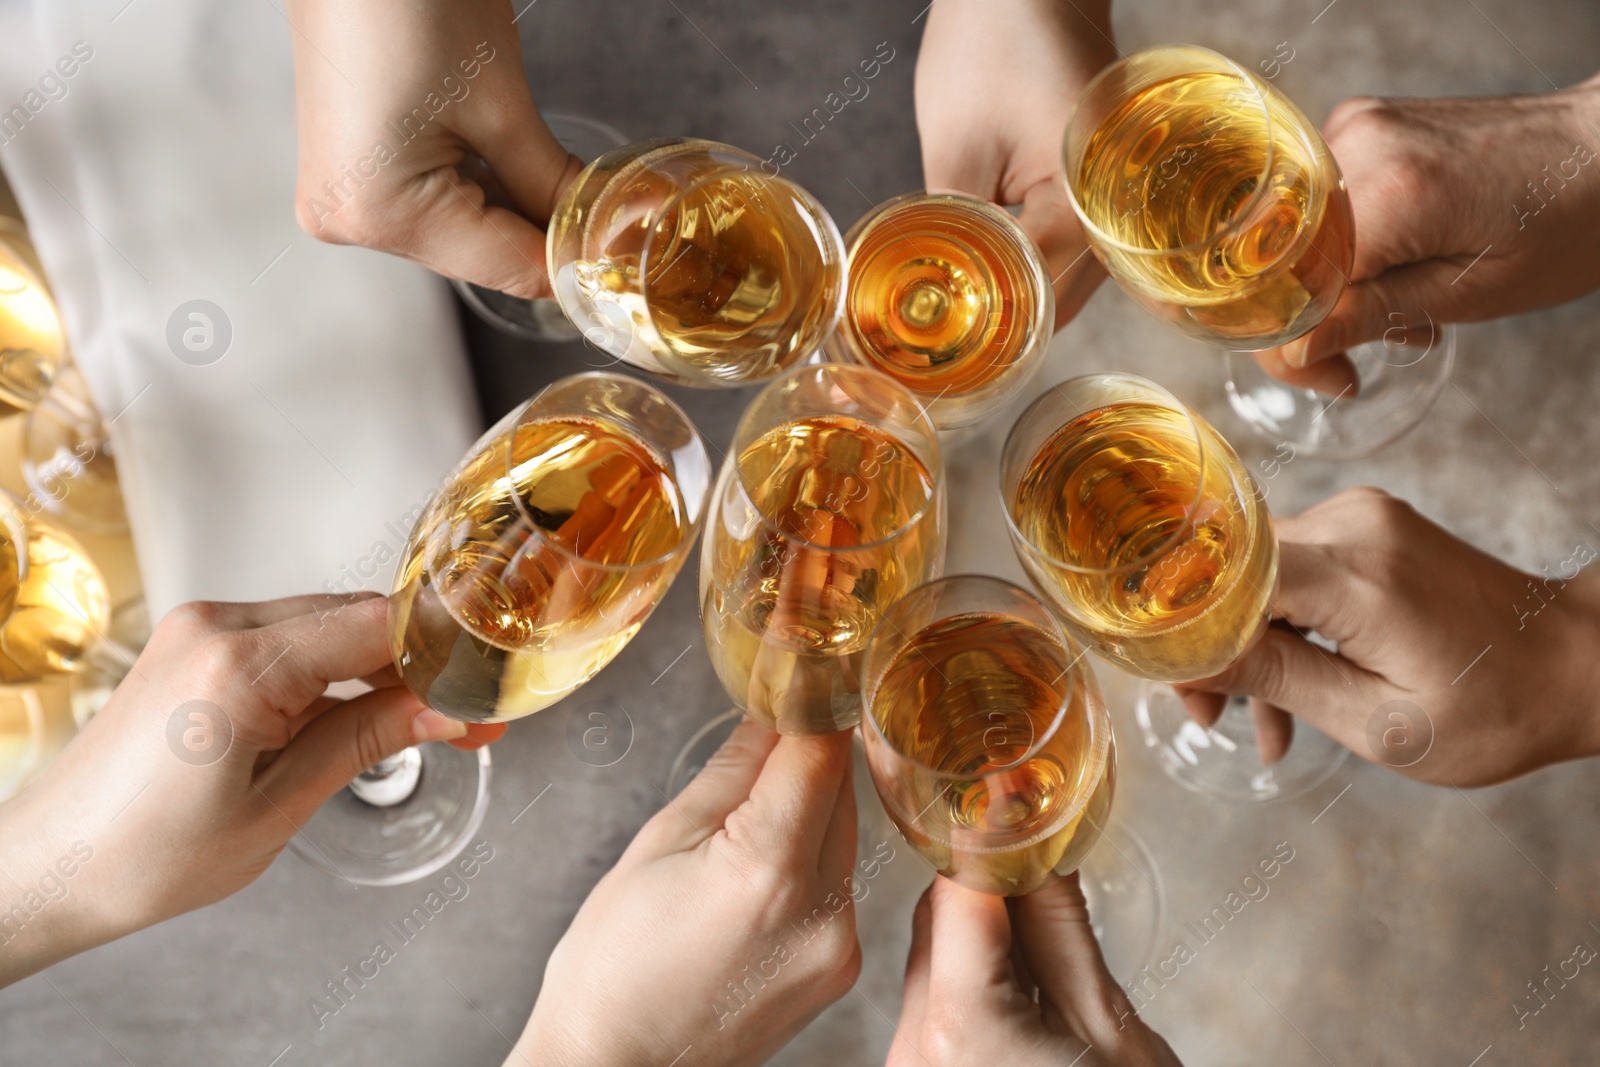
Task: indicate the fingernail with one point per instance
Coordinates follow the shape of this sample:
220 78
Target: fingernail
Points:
429 725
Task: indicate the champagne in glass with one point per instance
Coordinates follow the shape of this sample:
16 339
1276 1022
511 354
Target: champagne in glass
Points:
947 295
548 548
1210 197
59 604
1141 525
682 257
33 342
829 509
990 746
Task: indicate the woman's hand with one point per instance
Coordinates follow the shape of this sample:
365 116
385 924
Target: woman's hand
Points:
394 105
209 756
1452 667
1017 982
727 925
995 84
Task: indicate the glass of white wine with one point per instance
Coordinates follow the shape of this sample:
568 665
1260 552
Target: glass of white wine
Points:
33 341
542 554
1145 531
947 295
829 507
988 741
682 257
536 320
54 605
1216 205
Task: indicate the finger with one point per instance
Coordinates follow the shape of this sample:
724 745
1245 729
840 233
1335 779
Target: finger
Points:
1335 377
1403 307
251 615
838 859
301 656
479 734
530 165
1274 731
1203 707
971 943
1077 991
344 741
723 784
1075 273
1289 672
798 784
454 232
919 966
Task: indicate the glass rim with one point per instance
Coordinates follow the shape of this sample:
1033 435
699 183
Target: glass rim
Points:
1035 269
818 222
935 468
1236 221
1151 554
1100 733
690 530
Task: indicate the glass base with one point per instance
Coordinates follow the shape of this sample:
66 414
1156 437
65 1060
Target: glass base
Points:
543 320
407 838
1127 902
1223 760
1397 388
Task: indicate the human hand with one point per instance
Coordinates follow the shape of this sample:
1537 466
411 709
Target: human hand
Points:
1491 664
392 105
1465 210
209 756
727 925
977 963
995 84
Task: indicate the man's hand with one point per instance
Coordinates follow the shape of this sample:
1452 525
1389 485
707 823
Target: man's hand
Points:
394 104
1452 667
1465 210
979 962
995 84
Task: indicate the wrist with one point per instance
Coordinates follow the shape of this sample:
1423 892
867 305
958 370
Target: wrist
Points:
1580 651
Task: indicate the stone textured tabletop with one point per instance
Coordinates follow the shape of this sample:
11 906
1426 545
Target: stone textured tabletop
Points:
1411 918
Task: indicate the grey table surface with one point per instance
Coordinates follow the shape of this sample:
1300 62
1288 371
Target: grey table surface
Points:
1411 918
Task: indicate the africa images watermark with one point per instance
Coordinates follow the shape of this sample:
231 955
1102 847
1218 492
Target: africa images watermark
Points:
51 86
1253 888
749 986
341 990
812 125
452 90
51 888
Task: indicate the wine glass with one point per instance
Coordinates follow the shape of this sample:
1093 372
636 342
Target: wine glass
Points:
1146 533
829 507
54 605
1216 205
33 341
989 744
684 258
537 320
68 458
947 295
22 729
542 554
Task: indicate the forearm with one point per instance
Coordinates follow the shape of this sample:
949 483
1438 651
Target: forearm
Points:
50 906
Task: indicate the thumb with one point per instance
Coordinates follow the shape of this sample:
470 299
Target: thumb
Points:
1052 925
347 739
1075 273
1404 308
